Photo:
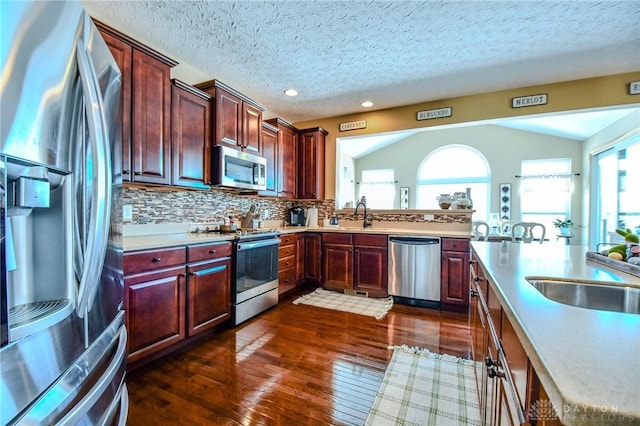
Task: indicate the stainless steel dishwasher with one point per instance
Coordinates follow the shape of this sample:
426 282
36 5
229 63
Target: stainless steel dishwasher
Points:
414 270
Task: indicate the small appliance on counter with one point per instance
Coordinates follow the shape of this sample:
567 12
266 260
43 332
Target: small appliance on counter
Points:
312 217
297 217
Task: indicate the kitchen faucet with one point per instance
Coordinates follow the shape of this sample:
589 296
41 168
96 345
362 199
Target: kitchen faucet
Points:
365 222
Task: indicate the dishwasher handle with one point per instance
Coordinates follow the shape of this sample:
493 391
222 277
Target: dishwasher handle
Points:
415 241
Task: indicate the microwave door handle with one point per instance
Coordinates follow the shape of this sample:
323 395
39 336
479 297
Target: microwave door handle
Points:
98 229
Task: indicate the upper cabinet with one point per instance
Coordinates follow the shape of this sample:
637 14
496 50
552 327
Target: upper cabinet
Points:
237 120
270 152
311 153
190 137
287 158
146 102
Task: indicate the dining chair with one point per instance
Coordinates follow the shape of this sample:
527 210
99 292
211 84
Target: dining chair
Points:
527 232
475 230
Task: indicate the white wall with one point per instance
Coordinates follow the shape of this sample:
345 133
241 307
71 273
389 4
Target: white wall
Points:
504 149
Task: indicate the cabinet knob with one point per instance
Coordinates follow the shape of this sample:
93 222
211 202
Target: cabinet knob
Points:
137 173
478 279
125 172
473 293
493 371
212 251
488 361
471 262
156 259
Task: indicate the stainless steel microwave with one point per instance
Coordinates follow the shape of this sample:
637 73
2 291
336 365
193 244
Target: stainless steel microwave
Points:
238 169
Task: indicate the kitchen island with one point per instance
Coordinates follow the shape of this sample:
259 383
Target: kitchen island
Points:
587 360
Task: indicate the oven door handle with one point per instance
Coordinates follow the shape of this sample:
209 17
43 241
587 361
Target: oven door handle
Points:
255 244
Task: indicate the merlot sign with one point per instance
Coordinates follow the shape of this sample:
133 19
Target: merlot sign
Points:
527 101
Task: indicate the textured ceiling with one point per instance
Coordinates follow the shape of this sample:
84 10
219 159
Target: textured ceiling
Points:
339 53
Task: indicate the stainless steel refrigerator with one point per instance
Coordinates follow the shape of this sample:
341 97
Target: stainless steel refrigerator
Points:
63 340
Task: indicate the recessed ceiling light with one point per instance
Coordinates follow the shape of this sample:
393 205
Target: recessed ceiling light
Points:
291 92
367 104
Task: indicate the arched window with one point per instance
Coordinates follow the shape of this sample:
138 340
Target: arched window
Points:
453 168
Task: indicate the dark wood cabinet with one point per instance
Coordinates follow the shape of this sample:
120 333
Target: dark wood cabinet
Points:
146 108
337 261
454 274
208 286
507 383
300 259
311 158
313 258
191 137
270 152
154 300
287 262
356 262
237 120
370 264
287 158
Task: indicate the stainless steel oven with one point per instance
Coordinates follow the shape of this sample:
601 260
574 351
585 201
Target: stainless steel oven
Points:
256 274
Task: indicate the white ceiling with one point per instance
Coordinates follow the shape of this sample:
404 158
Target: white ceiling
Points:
339 53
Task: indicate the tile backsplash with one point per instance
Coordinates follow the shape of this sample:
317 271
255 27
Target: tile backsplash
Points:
159 205
169 205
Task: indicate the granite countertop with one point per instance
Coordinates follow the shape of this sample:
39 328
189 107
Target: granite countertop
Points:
143 241
587 360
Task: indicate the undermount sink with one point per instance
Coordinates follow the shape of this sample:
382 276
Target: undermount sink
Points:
599 295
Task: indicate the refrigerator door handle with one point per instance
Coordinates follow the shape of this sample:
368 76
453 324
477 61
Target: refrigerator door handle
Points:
88 401
98 230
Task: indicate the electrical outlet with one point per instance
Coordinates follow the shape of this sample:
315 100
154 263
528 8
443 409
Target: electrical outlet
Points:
428 217
127 213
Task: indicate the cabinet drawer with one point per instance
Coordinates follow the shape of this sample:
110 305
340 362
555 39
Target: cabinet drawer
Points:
336 238
208 251
455 244
286 280
286 263
284 251
370 240
153 259
287 239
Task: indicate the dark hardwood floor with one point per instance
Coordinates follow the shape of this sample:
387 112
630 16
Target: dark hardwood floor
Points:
291 365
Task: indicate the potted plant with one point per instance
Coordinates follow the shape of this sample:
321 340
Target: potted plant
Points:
564 226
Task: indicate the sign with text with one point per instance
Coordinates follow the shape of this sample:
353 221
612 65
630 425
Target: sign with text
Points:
434 113
527 101
353 125
634 88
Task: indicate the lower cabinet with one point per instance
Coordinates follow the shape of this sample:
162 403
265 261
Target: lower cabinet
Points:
287 263
209 286
508 386
154 300
355 262
172 294
313 258
454 274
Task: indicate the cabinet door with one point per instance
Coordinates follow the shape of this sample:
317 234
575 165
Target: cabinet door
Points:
154 306
337 266
288 167
270 152
227 119
313 258
300 260
123 54
454 279
151 144
251 139
370 270
209 289
311 160
191 139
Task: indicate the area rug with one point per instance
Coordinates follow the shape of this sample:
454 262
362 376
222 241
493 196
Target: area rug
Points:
362 305
423 388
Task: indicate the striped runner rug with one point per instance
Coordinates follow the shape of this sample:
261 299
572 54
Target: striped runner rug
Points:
362 305
423 388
